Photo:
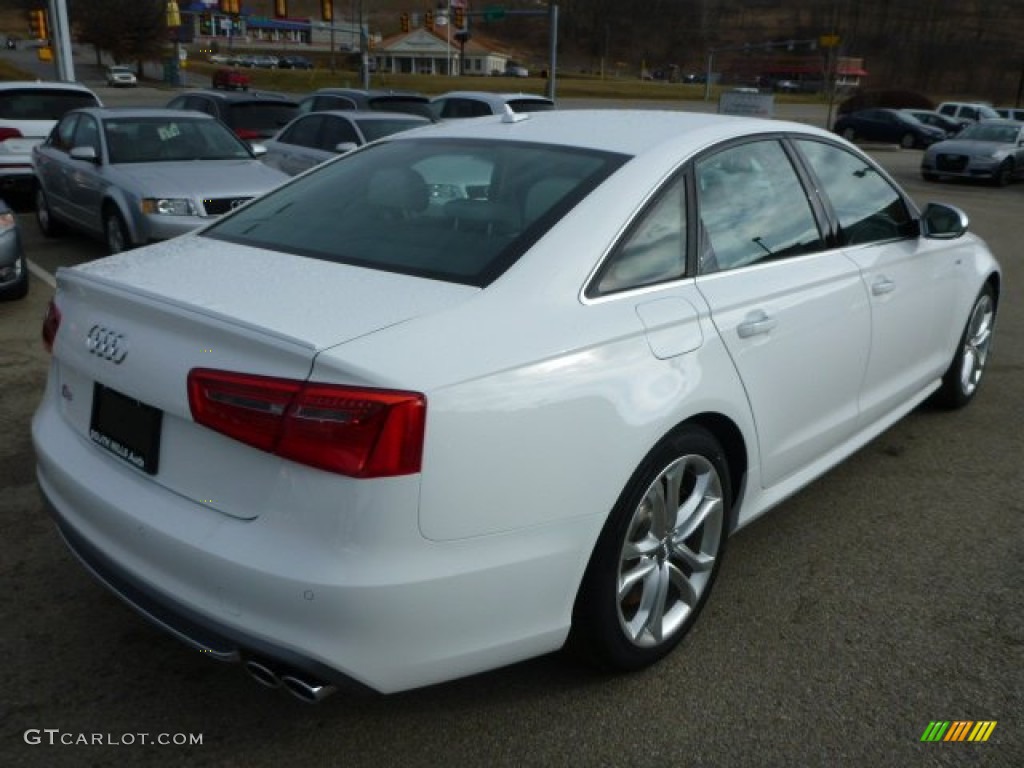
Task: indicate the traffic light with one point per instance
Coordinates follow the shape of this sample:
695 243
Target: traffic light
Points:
173 15
281 9
459 17
428 20
327 10
405 22
37 25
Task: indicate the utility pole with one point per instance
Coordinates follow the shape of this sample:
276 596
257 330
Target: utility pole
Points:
62 40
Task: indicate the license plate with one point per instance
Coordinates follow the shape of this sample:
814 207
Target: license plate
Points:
127 428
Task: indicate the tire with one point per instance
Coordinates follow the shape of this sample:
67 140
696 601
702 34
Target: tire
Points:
1004 175
849 134
19 289
657 556
115 232
961 380
48 225
907 141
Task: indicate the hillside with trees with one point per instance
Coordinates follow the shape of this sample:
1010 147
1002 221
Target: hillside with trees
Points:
943 47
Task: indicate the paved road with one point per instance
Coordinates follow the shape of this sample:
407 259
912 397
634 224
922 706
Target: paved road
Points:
886 595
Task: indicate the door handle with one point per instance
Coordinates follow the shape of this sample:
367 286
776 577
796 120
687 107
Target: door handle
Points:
760 323
882 286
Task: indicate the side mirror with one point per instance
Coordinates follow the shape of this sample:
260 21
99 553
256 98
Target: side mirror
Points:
85 153
258 150
943 222
345 146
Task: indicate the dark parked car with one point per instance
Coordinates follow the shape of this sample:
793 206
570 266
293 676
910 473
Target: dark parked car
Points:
887 125
252 116
326 99
294 62
936 119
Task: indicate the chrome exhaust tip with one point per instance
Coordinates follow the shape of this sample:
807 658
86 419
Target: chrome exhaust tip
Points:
311 693
262 674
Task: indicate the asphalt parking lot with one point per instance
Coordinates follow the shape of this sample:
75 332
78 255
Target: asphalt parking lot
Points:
883 597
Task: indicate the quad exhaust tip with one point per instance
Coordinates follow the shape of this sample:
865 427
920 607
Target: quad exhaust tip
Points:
308 691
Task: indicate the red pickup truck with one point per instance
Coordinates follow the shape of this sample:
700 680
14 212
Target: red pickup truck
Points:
231 80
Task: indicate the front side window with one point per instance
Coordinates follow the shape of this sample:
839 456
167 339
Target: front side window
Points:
456 210
87 134
753 207
304 132
337 131
868 208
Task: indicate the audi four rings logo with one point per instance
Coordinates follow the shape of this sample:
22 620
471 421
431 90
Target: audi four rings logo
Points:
105 343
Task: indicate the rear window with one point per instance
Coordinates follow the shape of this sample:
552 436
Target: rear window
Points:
41 103
378 129
455 210
530 105
409 106
266 117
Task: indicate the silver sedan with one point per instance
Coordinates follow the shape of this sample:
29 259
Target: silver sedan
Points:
318 136
133 176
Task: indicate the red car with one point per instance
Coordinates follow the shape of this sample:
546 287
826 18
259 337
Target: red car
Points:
231 80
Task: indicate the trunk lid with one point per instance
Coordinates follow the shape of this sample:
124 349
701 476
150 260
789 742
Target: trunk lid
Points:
138 323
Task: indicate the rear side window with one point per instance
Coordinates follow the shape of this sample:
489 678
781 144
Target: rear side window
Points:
753 207
455 210
405 105
41 103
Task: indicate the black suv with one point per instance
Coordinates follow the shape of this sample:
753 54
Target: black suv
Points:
252 116
407 102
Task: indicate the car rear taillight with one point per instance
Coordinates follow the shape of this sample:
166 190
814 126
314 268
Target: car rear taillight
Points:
247 134
353 431
51 324
9 133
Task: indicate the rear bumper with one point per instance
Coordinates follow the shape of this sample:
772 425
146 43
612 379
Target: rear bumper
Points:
362 596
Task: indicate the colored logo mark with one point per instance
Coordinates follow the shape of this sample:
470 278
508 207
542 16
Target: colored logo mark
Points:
958 730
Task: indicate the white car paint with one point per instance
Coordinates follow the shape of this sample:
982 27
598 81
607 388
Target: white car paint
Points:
542 400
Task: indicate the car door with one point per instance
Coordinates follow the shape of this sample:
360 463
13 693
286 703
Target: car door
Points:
294 150
792 312
51 166
910 280
85 180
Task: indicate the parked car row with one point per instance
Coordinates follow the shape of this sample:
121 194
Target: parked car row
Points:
264 61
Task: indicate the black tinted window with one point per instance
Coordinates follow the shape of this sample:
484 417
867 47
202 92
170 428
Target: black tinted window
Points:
461 211
266 117
42 104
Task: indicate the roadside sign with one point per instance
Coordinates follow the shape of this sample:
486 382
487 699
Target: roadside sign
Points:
746 104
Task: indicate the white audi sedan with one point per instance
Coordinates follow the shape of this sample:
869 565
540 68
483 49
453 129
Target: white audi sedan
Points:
473 391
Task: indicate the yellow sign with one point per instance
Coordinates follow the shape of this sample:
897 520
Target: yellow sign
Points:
45 54
829 41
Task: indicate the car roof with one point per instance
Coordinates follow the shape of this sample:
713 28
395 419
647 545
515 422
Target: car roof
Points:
493 98
235 96
366 114
631 132
49 85
104 113
371 93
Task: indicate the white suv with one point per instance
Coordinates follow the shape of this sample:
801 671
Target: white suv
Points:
967 112
28 112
